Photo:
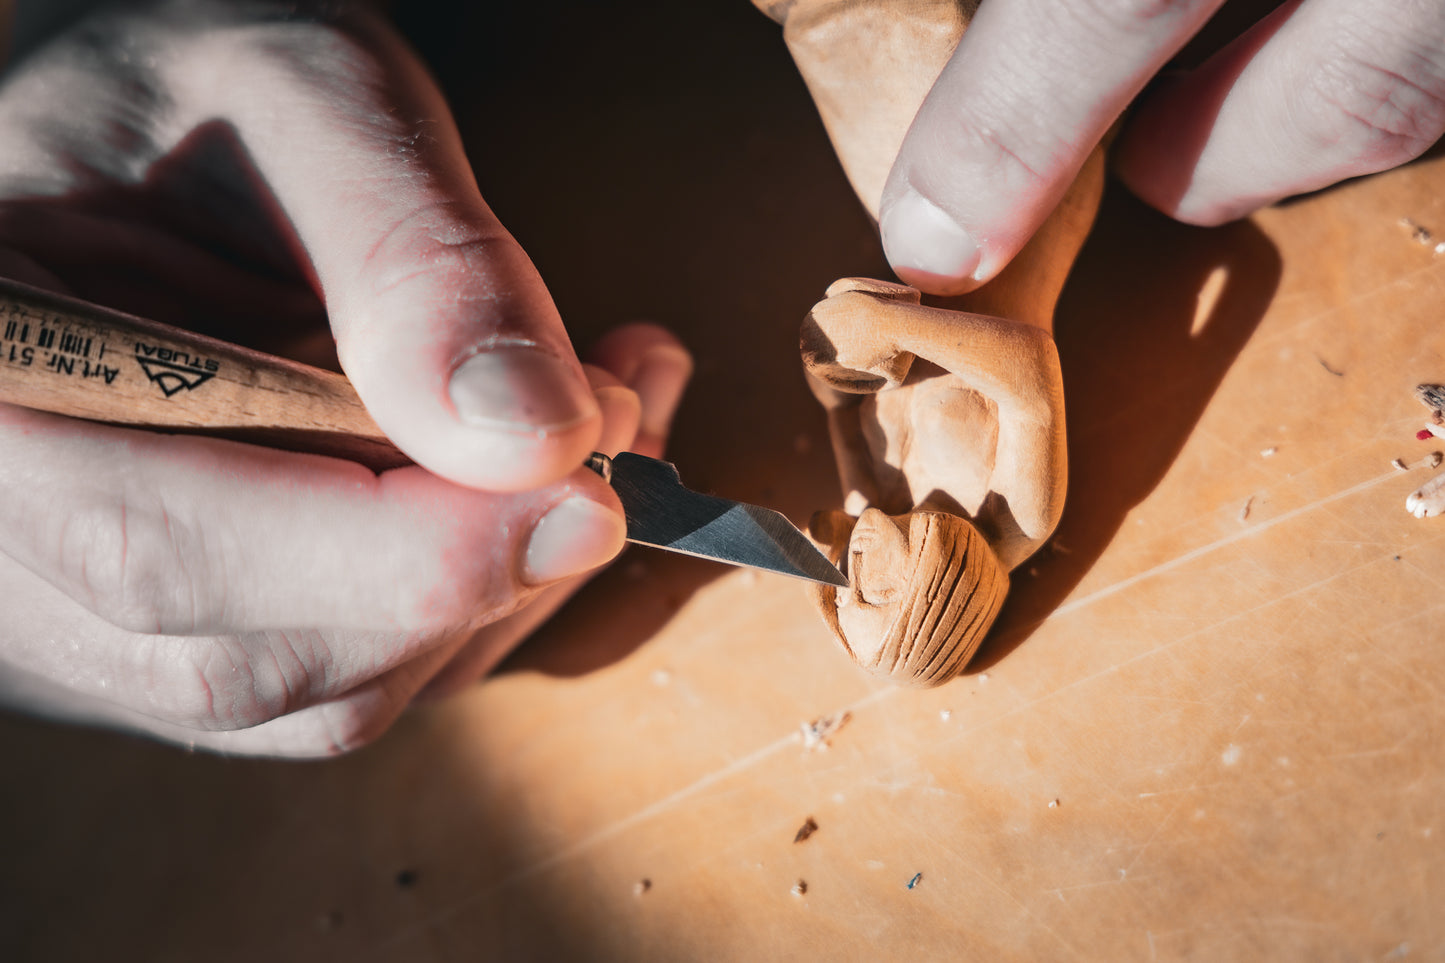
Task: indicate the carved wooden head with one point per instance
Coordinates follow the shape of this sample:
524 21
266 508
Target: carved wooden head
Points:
924 589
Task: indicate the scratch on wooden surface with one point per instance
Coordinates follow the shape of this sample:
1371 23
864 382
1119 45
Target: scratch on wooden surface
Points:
1119 878
1180 560
966 862
611 831
747 762
1109 670
1363 298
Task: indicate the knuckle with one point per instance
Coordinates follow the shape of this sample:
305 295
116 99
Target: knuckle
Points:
1388 104
336 729
133 565
206 684
228 683
442 244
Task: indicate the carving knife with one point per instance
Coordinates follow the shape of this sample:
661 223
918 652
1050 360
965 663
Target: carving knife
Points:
66 356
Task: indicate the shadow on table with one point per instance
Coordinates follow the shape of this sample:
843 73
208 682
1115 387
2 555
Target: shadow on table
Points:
1153 316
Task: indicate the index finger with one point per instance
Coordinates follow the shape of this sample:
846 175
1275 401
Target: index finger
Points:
1028 93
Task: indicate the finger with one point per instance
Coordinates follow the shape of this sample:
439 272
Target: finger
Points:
652 362
493 642
185 536
620 406
1316 93
441 321
326 728
1030 90
58 659
657 366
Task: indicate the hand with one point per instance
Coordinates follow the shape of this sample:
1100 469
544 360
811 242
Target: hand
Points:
235 166
1318 91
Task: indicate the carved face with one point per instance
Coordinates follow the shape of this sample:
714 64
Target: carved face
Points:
925 587
879 568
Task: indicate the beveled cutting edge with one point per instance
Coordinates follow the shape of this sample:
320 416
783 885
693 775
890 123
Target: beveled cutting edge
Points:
664 513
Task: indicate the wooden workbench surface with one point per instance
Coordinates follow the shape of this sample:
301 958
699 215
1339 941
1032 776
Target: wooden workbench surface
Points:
1205 728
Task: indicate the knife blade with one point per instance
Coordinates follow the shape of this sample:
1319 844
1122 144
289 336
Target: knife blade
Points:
70 357
665 514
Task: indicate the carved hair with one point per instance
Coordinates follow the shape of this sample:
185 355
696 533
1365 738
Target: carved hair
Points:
955 589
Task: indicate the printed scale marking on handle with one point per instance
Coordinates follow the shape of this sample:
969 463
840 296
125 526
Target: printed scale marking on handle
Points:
73 358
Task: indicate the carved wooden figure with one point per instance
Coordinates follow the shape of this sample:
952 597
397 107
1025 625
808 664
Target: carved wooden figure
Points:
947 421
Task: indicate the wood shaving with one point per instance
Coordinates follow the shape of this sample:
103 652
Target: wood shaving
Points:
1432 396
807 829
1399 465
1420 234
1428 499
818 734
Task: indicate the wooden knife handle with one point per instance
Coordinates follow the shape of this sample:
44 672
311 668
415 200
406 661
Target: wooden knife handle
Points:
67 356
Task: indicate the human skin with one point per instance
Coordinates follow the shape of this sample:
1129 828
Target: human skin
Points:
1312 94
288 176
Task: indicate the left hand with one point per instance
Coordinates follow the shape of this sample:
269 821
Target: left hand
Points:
1316 92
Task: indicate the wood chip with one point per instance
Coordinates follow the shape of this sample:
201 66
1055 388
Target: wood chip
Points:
1431 395
818 733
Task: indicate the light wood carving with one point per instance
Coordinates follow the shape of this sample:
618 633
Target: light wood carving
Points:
947 420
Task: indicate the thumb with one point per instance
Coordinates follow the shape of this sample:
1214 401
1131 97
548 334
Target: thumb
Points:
1029 91
440 318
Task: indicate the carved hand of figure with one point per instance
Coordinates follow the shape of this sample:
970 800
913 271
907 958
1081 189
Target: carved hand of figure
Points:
949 410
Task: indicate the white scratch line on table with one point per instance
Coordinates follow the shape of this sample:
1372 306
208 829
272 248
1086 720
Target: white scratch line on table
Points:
1158 828
1116 880
643 815
964 732
1173 792
1293 330
1366 753
608 832
1214 546
968 731
964 861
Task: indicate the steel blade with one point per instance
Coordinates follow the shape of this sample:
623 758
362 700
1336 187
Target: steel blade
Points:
664 513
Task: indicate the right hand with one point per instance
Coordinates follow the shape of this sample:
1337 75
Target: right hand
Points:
236 166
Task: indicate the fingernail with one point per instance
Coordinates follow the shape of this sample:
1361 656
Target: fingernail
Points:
659 382
518 387
918 236
575 536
